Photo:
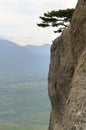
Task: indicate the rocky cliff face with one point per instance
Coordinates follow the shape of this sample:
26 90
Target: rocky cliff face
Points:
67 75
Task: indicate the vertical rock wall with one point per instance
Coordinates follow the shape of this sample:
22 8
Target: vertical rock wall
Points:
67 75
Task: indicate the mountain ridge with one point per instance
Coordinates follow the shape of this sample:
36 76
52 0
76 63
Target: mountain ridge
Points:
19 62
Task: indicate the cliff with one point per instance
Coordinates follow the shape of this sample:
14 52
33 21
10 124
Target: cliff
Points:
67 75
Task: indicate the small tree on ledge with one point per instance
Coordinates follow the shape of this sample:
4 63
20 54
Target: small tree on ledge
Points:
60 19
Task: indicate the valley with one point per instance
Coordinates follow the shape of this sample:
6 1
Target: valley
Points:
24 106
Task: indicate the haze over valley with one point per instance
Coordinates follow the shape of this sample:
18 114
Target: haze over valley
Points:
23 63
23 86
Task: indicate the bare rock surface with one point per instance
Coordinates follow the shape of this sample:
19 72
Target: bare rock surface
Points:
67 75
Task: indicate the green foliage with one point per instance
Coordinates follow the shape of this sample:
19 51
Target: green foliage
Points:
60 19
8 125
24 106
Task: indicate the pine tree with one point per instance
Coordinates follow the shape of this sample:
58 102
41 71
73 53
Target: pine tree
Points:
60 19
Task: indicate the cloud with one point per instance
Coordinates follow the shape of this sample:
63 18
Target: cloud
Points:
34 6
18 19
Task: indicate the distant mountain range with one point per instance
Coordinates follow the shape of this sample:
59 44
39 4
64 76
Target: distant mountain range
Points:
23 63
42 50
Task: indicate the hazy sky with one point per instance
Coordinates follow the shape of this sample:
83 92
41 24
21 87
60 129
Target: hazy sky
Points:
18 20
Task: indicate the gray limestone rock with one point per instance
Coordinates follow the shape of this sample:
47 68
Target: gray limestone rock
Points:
67 75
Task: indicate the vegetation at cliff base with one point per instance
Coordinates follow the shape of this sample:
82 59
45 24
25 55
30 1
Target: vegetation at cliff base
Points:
60 19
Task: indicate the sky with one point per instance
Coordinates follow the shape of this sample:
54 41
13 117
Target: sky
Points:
18 19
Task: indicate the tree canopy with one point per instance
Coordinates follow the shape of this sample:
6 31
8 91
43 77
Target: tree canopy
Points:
60 19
